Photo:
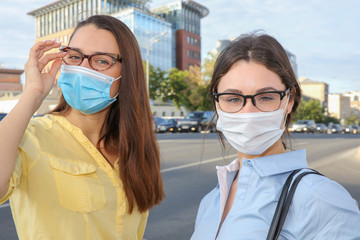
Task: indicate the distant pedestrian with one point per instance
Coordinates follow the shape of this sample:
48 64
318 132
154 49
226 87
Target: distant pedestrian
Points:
90 169
256 93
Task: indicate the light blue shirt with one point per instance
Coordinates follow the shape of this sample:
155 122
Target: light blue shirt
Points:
321 208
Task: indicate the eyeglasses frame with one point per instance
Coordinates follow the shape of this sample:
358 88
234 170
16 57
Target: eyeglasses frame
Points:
281 93
115 57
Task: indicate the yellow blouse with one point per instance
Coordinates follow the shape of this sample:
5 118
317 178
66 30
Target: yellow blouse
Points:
63 188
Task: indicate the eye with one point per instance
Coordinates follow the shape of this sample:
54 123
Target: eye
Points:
102 60
74 57
232 99
267 97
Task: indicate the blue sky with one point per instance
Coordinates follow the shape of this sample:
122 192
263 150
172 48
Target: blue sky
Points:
323 34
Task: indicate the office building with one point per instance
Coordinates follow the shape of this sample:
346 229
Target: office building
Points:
354 102
316 90
185 17
339 106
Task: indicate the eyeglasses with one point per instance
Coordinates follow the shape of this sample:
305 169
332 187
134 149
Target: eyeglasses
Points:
97 61
264 101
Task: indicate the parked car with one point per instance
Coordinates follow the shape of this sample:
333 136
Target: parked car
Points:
347 129
321 128
197 121
356 129
334 128
156 122
168 125
304 126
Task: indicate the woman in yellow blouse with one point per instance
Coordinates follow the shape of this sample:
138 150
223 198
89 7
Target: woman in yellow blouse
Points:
91 168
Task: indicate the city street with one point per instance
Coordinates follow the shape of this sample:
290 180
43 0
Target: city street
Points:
188 170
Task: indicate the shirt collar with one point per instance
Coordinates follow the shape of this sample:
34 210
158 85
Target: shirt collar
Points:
280 163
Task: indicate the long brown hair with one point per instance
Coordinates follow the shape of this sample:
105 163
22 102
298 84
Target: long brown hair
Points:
128 126
263 49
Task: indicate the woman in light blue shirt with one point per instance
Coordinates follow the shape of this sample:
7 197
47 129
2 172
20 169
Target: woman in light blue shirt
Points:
256 93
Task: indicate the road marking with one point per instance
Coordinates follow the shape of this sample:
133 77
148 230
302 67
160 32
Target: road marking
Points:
5 205
197 163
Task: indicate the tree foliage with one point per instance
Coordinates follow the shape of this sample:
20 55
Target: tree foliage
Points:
352 120
183 88
311 109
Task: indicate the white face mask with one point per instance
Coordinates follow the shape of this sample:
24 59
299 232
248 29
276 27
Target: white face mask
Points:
251 133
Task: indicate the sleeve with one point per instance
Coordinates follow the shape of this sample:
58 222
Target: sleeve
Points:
14 179
330 213
29 144
142 225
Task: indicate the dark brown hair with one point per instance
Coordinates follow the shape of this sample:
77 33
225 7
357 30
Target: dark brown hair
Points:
128 126
265 50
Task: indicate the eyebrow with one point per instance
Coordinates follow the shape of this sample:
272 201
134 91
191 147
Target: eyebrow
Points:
265 89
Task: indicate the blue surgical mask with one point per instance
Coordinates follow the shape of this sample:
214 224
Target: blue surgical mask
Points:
85 90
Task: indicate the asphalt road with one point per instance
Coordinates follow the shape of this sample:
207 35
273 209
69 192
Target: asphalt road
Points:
188 164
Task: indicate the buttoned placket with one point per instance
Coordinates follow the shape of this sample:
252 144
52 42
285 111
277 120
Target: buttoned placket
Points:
242 186
105 166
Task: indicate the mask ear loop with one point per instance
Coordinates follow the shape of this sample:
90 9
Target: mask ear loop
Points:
285 117
118 92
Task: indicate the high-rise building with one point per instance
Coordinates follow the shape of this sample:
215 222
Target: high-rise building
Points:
339 106
185 17
354 102
312 89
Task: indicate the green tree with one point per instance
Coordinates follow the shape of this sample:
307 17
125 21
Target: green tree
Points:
156 79
198 92
208 66
352 120
311 109
175 88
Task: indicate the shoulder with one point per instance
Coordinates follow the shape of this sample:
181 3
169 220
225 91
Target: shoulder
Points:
323 207
41 122
36 130
322 191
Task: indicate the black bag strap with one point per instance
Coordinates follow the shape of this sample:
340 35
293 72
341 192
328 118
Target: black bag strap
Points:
284 202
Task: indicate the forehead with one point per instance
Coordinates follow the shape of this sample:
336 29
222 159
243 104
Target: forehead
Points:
249 77
91 39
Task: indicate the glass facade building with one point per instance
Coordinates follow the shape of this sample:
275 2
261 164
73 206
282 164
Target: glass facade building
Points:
185 18
153 35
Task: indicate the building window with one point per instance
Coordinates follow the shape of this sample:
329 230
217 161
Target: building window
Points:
188 53
163 114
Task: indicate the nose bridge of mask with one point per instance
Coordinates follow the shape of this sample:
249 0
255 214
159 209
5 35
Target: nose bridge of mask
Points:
87 72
